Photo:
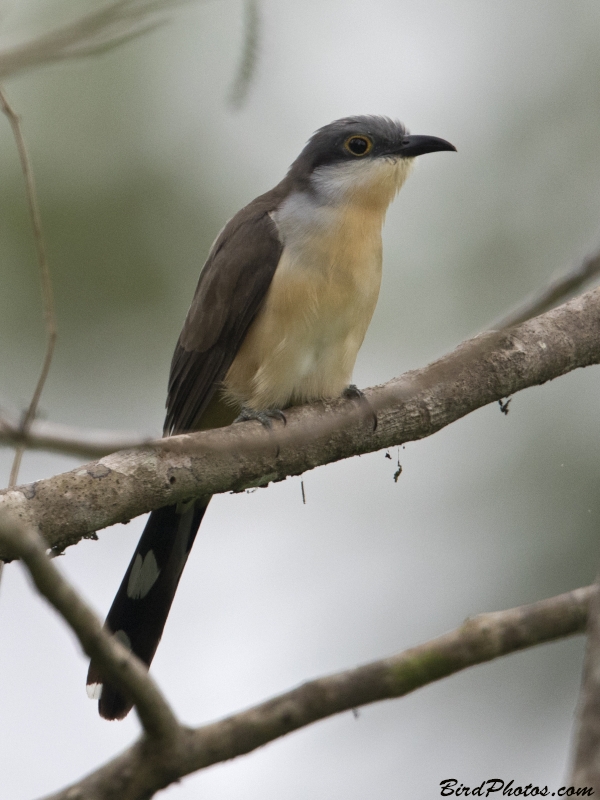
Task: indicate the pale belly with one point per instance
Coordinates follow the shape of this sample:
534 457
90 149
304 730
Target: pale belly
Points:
304 342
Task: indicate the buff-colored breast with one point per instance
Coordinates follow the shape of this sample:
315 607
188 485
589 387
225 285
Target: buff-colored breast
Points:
303 344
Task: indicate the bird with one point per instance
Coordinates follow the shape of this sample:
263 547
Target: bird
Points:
280 311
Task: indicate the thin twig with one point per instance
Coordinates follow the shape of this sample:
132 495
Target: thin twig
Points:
557 291
46 280
113 659
92 33
585 770
249 55
480 639
66 439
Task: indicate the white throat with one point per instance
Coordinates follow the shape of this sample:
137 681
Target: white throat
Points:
372 183
350 193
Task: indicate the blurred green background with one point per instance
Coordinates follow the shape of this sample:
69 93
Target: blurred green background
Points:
139 161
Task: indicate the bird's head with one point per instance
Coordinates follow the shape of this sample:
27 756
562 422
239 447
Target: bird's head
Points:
362 160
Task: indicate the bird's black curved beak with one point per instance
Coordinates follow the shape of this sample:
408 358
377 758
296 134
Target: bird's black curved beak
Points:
412 146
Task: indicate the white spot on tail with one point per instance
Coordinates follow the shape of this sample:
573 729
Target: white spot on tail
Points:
143 576
122 637
94 691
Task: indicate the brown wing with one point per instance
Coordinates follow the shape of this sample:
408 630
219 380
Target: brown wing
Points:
230 291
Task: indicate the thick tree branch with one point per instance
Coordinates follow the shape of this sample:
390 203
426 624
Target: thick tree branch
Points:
482 370
133 775
112 658
69 506
90 443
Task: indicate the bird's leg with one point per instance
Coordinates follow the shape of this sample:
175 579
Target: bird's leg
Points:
352 392
265 417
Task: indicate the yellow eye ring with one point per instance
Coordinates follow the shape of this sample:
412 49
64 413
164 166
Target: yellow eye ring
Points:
358 145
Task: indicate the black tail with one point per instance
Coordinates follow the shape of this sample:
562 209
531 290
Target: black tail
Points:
139 611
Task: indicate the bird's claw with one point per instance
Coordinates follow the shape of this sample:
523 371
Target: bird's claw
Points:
352 392
264 417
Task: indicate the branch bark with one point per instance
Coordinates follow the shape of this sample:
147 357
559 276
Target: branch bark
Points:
134 775
67 507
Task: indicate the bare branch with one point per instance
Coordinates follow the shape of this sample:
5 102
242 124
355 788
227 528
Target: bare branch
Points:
66 439
558 290
89 34
113 659
46 280
480 639
482 370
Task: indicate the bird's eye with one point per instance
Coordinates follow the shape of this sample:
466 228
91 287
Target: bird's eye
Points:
358 145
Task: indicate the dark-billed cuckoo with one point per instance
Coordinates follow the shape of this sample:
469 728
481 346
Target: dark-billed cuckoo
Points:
279 314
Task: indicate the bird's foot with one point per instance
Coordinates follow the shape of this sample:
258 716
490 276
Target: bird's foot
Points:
352 392
265 417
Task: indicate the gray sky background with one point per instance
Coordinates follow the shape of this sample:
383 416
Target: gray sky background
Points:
139 162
